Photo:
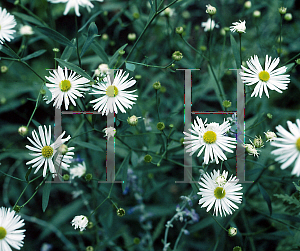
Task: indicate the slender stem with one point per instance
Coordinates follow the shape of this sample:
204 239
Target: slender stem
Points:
217 221
77 43
36 106
157 105
279 52
240 34
179 236
153 66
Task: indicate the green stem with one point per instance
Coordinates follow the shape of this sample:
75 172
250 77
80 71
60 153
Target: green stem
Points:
153 66
157 105
217 222
77 43
279 52
179 236
240 34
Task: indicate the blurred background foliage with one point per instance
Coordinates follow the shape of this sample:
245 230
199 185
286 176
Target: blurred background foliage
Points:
152 194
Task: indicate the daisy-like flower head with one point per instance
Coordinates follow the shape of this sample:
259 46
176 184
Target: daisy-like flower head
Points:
209 25
251 150
75 4
222 197
44 151
7 23
239 27
264 79
10 235
78 170
80 222
109 132
270 136
113 95
66 87
211 138
288 146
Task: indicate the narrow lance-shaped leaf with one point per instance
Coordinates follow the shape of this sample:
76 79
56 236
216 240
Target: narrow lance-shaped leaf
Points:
96 47
75 68
92 33
56 36
266 197
46 193
33 55
115 56
235 50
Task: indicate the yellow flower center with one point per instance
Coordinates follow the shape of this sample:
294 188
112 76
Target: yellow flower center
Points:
298 144
219 193
210 137
47 151
111 91
2 230
65 85
264 76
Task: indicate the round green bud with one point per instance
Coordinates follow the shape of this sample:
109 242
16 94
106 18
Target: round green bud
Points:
288 17
131 36
160 126
297 61
232 231
63 149
282 10
203 48
136 241
89 248
156 85
177 56
237 248
136 15
90 225
171 125
121 52
173 65
88 177
105 13
181 141
4 69
186 14
150 175
256 13
23 130
226 29
55 50
121 212
66 177
247 4
211 10
179 30
269 115
133 120
42 91
17 208
148 158
197 27
258 142
226 103
138 76
104 37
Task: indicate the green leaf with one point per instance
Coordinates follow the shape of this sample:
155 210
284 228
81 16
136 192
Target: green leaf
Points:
8 52
68 51
115 56
29 19
56 36
266 197
90 19
289 199
289 67
46 193
297 187
75 68
37 124
33 55
236 51
134 158
92 33
130 67
27 174
124 167
96 47
89 146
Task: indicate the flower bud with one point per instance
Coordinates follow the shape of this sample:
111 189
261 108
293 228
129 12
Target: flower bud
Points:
104 37
232 231
256 13
89 248
133 120
156 85
269 115
258 142
17 208
247 4
148 158
288 17
237 248
63 149
177 56
211 10
121 52
160 126
270 136
121 212
23 130
297 61
88 177
136 241
43 91
131 36
55 50
179 30
226 103
66 177
282 10
4 69
136 15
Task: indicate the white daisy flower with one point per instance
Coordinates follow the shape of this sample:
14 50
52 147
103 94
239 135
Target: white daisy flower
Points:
80 222
288 146
10 235
7 23
75 4
210 137
44 151
78 171
113 94
238 27
109 132
209 25
264 79
65 88
222 196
